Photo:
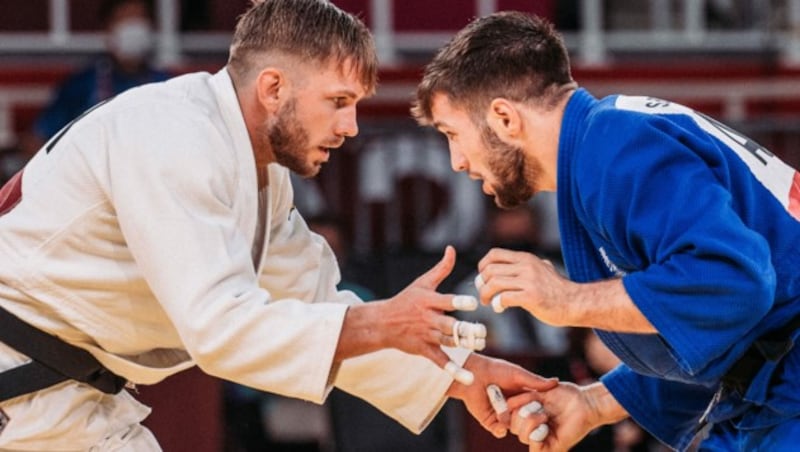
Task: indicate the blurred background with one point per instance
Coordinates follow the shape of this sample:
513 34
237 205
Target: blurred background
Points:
388 201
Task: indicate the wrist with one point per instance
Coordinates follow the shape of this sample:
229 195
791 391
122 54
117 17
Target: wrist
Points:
361 331
604 407
570 297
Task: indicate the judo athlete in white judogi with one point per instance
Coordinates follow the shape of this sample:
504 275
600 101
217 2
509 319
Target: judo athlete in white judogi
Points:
156 232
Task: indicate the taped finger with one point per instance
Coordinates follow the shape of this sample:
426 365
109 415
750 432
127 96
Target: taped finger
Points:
456 336
539 433
471 329
446 340
497 303
469 335
531 408
497 399
459 374
465 303
479 281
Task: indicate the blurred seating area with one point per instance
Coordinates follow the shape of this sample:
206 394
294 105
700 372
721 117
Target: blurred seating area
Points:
391 189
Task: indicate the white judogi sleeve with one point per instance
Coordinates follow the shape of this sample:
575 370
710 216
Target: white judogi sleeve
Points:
406 387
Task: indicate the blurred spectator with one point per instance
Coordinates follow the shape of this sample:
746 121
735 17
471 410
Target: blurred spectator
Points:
126 64
514 330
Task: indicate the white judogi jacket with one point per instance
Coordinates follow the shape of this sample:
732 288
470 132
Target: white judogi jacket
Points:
133 240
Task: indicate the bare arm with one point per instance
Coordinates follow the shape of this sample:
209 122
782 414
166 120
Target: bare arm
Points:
604 305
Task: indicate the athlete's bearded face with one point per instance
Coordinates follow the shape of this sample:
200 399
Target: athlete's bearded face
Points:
514 175
507 172
317 116
290 142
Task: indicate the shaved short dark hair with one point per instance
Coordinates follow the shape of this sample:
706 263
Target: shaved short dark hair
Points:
508 54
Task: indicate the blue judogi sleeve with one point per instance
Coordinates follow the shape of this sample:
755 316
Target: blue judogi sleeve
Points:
657 195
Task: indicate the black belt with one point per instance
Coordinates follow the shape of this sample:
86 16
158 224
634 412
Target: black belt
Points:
770 347
53 361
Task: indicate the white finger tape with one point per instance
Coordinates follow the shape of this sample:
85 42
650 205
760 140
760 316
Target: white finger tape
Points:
456 336
459 374
539 433
471 329
469 335
479 281
465 303
497 303
496 399
470 342
527 410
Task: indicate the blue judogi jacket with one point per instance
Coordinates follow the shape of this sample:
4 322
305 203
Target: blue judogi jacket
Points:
702 226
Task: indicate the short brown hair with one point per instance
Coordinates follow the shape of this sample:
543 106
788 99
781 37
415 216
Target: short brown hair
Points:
310 30
507 54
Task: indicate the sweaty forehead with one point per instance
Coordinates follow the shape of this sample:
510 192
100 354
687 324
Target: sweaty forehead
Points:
344 76
445 113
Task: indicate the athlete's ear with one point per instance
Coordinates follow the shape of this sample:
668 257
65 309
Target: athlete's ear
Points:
504 118
270 84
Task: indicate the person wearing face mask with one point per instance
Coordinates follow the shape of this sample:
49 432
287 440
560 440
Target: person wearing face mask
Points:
125 64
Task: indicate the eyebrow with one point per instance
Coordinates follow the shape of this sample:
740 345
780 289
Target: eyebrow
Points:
346 93
439 124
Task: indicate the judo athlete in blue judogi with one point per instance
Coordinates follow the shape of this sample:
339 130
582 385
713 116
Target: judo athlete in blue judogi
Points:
681 238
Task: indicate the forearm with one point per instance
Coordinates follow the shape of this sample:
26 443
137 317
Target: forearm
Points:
604 305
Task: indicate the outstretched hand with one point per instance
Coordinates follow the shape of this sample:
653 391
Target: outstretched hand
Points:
510 378
414 321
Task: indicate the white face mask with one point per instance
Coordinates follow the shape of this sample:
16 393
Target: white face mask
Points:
131 39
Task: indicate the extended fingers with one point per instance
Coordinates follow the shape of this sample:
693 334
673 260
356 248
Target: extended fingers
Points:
445 302
464 302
